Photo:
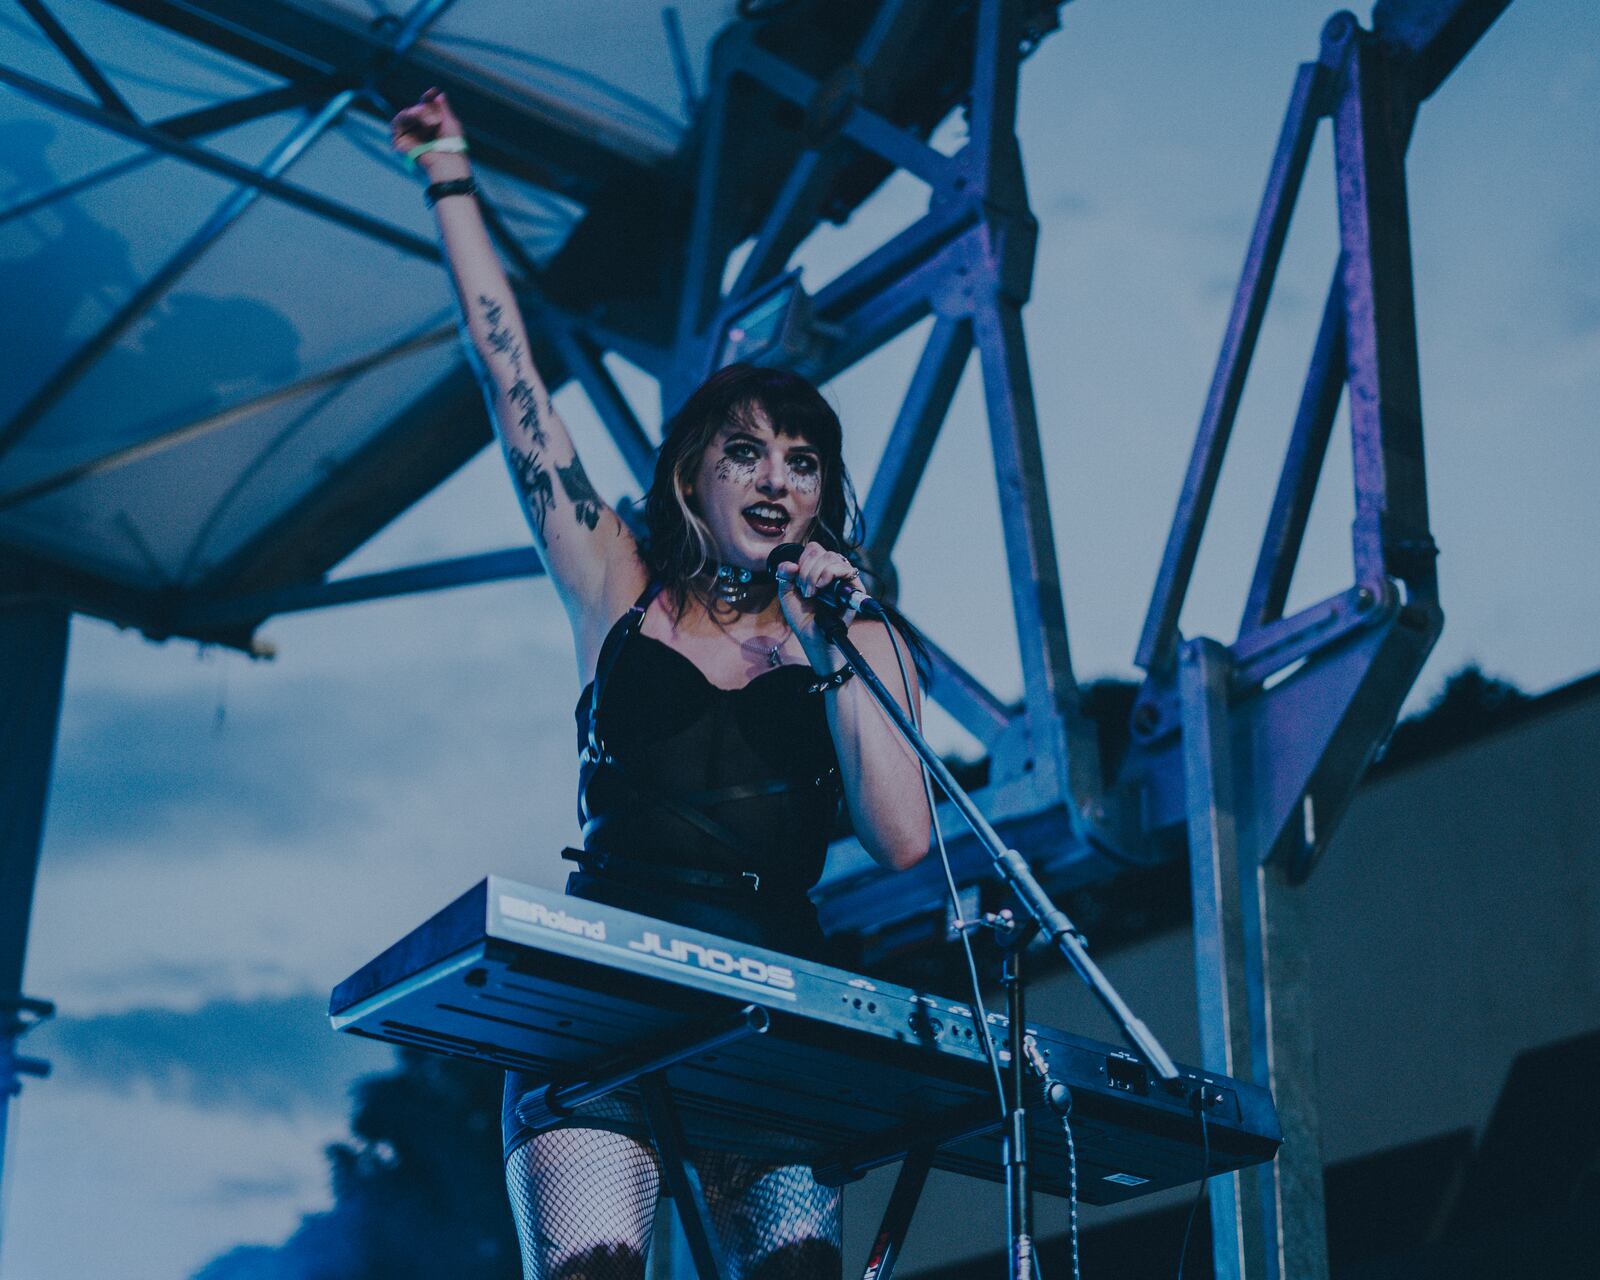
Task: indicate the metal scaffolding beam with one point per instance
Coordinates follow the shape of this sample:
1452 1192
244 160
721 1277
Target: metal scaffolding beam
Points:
539 136
258 181
82 63
33 658
1245 753
170 272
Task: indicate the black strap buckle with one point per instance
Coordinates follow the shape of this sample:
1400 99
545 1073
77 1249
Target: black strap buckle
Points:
658 875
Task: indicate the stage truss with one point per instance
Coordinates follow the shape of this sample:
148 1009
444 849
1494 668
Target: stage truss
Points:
1244 753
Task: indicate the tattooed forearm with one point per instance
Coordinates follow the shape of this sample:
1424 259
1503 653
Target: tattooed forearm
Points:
524 401
533 478
526 404
585 501
500 338
533 483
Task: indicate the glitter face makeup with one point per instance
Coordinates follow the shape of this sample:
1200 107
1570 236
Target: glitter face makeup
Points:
806 481
755 489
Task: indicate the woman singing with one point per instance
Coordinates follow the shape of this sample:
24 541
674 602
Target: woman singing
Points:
717 734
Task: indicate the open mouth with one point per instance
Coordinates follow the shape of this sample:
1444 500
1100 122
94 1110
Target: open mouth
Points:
768 519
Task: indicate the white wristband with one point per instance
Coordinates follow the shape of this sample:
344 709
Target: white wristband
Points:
454 144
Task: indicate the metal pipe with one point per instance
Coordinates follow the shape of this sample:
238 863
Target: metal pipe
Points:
1158 642
862 126
82 63
436 575
679 49
229 212
33 657
222 418
910 443
155 288
1019 1191
1012 866
423 15
1302 467
190 124
68 104
559 1100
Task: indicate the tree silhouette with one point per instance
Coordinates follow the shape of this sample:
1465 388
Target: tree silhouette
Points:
1471 705
418 1191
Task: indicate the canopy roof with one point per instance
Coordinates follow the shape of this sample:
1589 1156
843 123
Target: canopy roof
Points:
230 347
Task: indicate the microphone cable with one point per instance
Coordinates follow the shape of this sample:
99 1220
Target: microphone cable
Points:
1059 1099
1205 1173
1072 1190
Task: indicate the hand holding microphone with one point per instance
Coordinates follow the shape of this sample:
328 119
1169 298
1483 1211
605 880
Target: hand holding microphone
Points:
823 578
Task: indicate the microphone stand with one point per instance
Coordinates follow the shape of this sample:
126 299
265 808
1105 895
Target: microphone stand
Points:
1047 918
1014 937
1011 865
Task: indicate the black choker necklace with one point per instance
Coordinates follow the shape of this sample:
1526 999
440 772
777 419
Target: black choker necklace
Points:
733 585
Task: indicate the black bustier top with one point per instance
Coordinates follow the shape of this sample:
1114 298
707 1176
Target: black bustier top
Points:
755 765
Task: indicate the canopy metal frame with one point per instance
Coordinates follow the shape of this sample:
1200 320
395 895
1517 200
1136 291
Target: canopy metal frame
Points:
1244 753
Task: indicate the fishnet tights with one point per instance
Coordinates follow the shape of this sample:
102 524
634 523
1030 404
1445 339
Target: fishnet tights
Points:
584 1202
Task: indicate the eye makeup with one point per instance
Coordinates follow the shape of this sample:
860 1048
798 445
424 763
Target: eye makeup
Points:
805 473
742 455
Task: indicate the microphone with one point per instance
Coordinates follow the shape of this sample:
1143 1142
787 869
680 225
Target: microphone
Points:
842 596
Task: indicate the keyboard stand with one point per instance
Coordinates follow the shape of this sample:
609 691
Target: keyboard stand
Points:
911 1145
897 1216
683 1183
556 1101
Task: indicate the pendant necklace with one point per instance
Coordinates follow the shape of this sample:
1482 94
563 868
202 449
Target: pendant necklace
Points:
733 585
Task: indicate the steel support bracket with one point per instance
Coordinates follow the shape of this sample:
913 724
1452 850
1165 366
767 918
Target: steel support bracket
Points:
1254 994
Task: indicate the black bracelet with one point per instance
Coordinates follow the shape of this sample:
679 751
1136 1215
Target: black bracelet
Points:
438 191
831 682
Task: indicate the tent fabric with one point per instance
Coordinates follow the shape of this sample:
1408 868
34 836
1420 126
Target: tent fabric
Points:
215 409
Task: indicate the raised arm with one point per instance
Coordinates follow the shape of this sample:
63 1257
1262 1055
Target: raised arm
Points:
587 550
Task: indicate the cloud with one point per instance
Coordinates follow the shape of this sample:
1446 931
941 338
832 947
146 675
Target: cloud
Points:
310 756
142 766
274 1055
182 982
170 1185
1069 205
1231 225
244 1189
1574 266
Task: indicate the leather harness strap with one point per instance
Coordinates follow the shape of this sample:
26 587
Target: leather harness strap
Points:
685 806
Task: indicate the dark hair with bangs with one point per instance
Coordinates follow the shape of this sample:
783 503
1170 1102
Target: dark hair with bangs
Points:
678 546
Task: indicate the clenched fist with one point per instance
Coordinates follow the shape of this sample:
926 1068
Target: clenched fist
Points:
429 120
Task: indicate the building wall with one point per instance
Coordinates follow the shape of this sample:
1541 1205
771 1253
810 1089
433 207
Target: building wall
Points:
1455 922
